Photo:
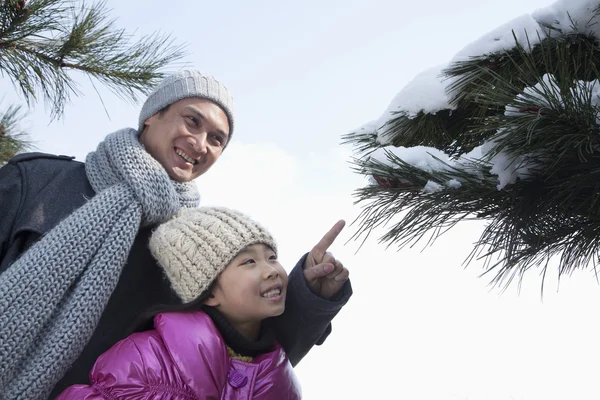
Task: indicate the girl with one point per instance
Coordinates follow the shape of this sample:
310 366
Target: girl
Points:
224 267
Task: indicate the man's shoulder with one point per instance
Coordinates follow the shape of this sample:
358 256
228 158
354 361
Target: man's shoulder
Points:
51 175
45 167
39 157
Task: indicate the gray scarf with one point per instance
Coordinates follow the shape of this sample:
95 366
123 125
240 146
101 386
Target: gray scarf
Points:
51 299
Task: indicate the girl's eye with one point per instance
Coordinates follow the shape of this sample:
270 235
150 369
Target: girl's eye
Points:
273 257
248 262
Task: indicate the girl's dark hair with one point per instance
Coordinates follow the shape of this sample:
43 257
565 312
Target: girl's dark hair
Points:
145 321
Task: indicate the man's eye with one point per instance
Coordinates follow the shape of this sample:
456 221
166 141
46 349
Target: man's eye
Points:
218 138
194 120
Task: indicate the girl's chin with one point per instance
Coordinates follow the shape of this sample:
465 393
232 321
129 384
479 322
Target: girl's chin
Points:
275 314
279 311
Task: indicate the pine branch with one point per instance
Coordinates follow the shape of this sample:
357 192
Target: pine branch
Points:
364 142
556 118
519 67
399 190
526 223
539 108
41 41
20 19
12 138
446 130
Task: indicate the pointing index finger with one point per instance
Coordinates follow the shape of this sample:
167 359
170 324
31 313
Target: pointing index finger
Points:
329 237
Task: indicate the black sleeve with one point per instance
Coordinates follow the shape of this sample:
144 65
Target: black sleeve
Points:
307 317
10 203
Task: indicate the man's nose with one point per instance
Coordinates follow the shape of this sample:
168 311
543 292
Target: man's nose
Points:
199 142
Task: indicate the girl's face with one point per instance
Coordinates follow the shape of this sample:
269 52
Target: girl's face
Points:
251 288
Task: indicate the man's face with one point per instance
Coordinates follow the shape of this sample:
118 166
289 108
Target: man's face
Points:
188 138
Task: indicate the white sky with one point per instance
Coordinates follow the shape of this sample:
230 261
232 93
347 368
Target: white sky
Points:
419 325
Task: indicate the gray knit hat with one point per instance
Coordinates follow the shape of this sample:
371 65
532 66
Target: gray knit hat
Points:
198 243
184 84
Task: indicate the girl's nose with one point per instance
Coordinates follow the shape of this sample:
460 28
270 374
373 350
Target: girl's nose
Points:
271 271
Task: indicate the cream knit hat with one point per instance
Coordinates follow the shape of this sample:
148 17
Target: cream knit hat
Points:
198 243
184 84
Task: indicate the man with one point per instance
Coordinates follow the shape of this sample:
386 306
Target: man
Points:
75 269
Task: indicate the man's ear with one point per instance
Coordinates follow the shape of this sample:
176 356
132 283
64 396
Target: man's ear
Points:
142 134
149 120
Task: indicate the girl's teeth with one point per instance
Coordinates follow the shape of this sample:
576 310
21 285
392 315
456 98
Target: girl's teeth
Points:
272 293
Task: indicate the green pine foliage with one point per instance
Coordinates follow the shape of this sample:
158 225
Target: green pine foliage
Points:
44 42
536 103
11 143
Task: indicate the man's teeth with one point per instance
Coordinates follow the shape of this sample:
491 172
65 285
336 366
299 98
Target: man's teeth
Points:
272 293
186 157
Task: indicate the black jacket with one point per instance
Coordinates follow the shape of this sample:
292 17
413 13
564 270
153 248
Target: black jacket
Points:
38 190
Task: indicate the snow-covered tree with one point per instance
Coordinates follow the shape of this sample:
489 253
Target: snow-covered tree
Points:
43 42
507 132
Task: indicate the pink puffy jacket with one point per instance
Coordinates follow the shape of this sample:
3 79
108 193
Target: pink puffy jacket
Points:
185 358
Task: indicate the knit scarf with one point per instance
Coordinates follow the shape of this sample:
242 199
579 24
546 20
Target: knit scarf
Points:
51 299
